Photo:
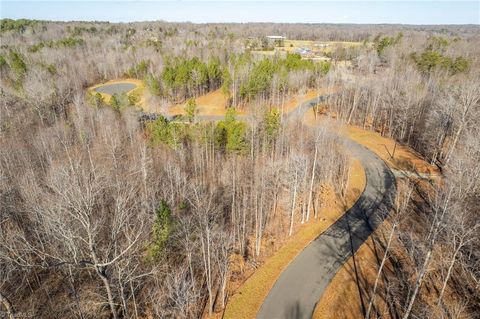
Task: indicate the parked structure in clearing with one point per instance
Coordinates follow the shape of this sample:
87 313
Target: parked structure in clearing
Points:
276 40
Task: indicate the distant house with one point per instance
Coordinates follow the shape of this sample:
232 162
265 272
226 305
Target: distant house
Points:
276 40
303 51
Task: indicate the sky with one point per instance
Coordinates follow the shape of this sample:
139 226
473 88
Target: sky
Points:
394 12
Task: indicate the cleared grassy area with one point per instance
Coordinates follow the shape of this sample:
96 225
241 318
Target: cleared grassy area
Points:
324 47
291 45
138 90
212 103
248 299
215 103
292 104
404 158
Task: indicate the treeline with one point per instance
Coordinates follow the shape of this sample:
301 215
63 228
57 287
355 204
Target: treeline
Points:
242 78
324 31
61 43
19 25
190 77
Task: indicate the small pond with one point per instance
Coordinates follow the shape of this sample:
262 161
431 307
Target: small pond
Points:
115 88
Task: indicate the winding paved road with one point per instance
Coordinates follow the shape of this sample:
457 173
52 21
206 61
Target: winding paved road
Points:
300 286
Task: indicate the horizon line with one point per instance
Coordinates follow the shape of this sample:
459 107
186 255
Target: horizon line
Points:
248 22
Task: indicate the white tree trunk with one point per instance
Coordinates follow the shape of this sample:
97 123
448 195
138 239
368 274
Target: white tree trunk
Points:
311 182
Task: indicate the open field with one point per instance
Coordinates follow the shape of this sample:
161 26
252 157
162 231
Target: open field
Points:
322 46
317 50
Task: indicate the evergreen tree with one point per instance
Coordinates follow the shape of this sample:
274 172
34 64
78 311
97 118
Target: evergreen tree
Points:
272 123
230 133
96 100
115 102
191 109
153 85
17 64
162 227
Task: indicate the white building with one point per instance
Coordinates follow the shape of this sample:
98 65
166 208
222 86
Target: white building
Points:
276 40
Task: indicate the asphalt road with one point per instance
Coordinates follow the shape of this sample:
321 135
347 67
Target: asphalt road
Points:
303 282
300 286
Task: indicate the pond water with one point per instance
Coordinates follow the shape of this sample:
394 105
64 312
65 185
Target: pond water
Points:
117 88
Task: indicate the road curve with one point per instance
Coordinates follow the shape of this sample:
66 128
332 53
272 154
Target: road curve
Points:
300 286
303 282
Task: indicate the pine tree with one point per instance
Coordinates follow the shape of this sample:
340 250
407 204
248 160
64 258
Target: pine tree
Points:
162 227
191 109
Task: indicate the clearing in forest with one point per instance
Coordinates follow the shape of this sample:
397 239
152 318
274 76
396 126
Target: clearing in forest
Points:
397 156
120 86
211 104
315 50
215 103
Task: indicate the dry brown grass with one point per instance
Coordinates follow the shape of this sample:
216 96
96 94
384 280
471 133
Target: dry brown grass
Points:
246 300
138 90
212 103
215 103
346 293
404 158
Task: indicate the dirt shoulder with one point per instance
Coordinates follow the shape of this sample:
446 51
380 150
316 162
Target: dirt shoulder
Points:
398 157
248 298
346 297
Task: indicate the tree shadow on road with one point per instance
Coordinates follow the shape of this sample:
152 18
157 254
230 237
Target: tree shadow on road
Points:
293 311
359 223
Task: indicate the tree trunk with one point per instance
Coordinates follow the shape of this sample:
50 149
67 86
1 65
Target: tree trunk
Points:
454 144
101 273
418 284
449 273
7 305
311 182
293 207
134 300
384 259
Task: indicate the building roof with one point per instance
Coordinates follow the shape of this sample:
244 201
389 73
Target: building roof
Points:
279 37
